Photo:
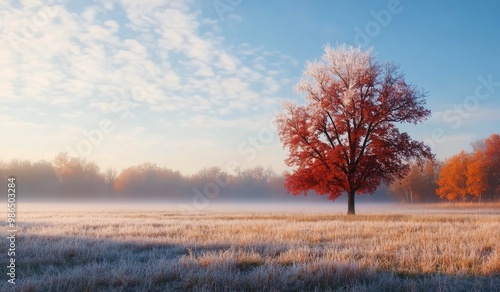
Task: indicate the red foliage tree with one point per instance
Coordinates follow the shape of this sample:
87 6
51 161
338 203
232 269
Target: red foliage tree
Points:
488 152
345 138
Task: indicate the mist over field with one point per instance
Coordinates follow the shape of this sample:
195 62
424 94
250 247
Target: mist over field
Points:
271 208
326 207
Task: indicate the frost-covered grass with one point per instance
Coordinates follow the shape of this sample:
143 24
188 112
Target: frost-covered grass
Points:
68 249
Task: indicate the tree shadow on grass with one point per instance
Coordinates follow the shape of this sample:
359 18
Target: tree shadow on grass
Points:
65 263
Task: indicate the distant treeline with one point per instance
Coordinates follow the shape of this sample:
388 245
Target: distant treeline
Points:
66 178
463 177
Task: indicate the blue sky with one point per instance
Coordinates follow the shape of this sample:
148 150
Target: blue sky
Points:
188 84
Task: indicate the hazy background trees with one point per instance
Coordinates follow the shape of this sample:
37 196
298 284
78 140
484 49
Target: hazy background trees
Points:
419 185
67 177
77 177
35 179
150 180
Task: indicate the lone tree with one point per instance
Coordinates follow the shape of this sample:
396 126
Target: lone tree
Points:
345 138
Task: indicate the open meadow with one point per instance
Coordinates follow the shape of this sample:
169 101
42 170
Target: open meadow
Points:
156 248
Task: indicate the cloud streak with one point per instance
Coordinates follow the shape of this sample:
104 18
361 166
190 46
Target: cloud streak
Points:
156 58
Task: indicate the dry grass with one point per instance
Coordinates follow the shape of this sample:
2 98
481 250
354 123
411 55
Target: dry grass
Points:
137 250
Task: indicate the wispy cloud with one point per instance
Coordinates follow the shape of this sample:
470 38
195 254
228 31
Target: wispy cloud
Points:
80 64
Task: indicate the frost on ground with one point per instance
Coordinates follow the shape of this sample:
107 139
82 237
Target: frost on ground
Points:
156 249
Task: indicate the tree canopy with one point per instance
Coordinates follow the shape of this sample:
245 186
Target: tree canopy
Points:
468 176
345 138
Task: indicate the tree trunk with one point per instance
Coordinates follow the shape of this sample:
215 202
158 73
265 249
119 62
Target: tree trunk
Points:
350 202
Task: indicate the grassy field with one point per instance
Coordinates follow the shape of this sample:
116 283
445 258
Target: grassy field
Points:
157 249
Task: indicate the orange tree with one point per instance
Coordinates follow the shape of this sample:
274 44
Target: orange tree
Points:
477 176
452 181
487 159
